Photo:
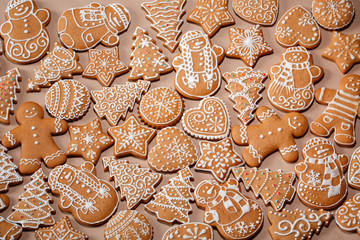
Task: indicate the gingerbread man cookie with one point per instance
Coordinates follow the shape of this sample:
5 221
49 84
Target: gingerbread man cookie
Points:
341 112
263 12
83 28
35 137
197 66
347 216
273 134
26 39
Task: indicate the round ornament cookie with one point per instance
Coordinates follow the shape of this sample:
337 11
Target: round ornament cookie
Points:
161 107
354 170
68 100
347 216
333 14
193 230
128 224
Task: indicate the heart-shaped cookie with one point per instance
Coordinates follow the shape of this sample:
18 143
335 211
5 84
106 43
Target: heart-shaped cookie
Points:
297 27
354 170
173 151
262 12
210 120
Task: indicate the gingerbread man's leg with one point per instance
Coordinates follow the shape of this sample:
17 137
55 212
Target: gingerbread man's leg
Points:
323 126
252 156
54 157
344 135
29 162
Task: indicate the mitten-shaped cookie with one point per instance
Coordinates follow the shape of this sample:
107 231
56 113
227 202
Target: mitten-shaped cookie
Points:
341 112
273 134
35 137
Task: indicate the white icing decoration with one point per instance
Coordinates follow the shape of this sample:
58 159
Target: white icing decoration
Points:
262 12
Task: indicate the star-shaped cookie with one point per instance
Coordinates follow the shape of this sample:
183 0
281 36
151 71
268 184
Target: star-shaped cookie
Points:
248 45
211 15
131 138
63 229
88 141
105 66
219 158
344 50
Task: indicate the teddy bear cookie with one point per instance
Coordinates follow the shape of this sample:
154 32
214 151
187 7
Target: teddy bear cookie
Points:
26 39
333 14
292 81
341 111
211 15
234 215
197 66
34 134
193 230
91 200
322 182
354 170
82 28
272 134
347 216
263 12
298 27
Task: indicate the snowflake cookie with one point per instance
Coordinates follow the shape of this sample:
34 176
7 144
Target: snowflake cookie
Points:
173 151
193 230
161 107
354 170
131 138
263 12
211 120
88 141
347 217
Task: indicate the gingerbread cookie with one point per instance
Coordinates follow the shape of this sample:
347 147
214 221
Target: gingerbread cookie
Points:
297 27
274 187
63 230
131 138
88 141
8 171
297 224
113 103
161 107
292 81
354 170
263 12
341 111
248 45
218 158
272 134
165 17
58 64
128 224
322 182
8 230
193 230
211 15
147 60
83 28
91 200
173 202
211 120
34 134
26 39
4 202
234 215
9 86
245 86
347 216
34 208
333 14
173 151
135 183
197 66
105 66
344 50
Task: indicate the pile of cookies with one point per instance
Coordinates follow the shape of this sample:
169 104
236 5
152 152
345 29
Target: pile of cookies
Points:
151 121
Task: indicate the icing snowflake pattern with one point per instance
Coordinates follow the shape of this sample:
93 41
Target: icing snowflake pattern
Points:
313 178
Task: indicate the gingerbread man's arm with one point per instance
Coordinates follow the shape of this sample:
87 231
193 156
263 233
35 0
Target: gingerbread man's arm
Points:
12 139
263 113
344 161
44 15
56 126
325 95
220 52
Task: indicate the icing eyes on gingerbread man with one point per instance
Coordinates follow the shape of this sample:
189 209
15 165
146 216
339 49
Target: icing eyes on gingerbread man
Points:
297 123
29 111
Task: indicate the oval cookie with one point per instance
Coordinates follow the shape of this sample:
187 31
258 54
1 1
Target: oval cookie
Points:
210 120
68 100
262 12
194 230
347 216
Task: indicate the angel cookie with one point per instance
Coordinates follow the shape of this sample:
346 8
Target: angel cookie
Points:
292 81
197 66
91 200
82 28
26 39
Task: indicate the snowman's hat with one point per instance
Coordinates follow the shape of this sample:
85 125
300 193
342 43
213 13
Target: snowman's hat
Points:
316 142
13 3
192 35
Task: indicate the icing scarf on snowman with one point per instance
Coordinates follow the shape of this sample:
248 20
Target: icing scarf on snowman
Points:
191 77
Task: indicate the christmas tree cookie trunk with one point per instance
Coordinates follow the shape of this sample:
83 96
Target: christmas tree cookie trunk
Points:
165 16
34 207
274 187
